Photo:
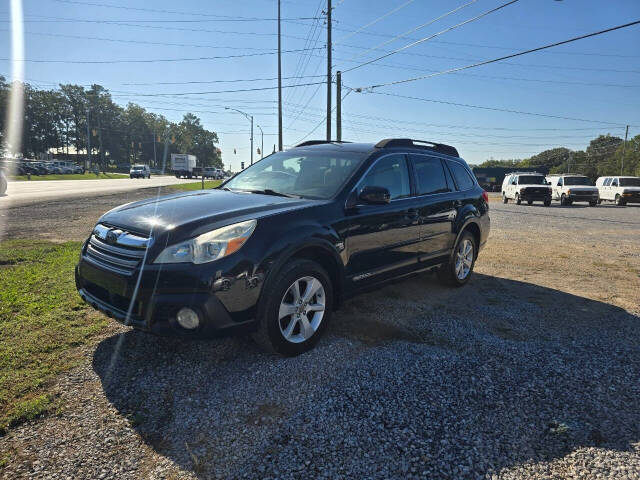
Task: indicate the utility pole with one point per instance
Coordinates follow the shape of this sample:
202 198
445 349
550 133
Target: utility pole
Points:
251 139
261 142
155 161
624 148
328 70
88 141
339 106
279 85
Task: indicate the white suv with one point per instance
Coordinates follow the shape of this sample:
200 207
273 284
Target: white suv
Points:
526 186
621 190
569 188
140 171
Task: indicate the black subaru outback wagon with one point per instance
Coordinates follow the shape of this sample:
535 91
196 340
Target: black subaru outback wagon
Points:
274 249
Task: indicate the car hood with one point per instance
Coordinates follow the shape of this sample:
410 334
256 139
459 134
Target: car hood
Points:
528 185
630 189
201 208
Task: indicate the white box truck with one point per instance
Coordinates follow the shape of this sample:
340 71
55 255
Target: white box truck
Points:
184 165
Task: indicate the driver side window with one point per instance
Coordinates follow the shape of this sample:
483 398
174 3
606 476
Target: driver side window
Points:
391 173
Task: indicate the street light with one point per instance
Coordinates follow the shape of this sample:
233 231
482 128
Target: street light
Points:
250 118
261 143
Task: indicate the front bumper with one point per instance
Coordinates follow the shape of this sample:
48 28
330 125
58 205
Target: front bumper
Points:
583 197
149 299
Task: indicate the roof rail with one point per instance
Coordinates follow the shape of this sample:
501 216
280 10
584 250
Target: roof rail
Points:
525 173
408 142
318 142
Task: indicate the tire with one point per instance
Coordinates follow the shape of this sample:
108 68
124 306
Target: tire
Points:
619 201
547 203
529 202
504 198
279 293
593 204
563 200
599 202
518 201
449 273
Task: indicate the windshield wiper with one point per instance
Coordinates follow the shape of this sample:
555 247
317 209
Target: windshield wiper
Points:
268 191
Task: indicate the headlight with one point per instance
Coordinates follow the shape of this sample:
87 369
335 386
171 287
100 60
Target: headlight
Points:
209 246
568 192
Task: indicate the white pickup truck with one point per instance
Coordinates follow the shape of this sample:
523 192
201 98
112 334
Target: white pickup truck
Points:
621 190
569 188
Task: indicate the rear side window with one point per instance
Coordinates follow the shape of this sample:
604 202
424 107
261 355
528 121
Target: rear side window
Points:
462 176
430 175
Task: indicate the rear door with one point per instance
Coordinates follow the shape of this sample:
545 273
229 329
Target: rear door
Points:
437 201
383 239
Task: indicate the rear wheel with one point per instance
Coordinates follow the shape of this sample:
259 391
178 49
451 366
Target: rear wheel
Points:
295 309
460 266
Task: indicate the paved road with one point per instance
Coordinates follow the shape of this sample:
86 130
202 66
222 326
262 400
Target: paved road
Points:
21 193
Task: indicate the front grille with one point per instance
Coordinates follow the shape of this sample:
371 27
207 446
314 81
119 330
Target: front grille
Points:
536 191
122 255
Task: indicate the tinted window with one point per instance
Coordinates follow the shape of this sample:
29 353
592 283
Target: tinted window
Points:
430 175
531 180
391 173
461 175
630 182
577 181
607 181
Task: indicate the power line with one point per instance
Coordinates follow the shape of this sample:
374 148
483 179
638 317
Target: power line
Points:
415 29
237 80
494 60
496 109
157 60
373 22
425 39
324 119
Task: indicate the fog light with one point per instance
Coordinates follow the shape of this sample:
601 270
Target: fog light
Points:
187 318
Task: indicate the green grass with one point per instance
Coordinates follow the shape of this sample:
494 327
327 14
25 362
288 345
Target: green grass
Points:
71 176
42 320
186 187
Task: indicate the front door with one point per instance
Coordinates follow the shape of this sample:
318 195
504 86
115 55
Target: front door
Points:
381 239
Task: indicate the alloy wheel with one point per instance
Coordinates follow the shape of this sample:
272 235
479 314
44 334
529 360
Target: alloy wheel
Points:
301 309
464 259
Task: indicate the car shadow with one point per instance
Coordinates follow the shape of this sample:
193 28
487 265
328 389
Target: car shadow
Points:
495 375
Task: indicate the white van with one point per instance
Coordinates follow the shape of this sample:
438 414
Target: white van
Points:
569 188
527 187
621 190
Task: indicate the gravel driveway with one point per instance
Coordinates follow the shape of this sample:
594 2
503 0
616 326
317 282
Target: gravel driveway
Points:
530 371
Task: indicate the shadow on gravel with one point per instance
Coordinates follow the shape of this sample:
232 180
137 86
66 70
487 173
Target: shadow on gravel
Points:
414 379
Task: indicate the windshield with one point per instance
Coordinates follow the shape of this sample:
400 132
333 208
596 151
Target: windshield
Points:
137 168
630 182
577 181
308 174
531 180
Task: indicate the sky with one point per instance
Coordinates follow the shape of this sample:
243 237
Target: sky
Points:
594 84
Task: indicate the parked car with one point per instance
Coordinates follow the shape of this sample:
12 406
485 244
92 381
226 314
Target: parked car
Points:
275 249
140 171
3 182
569 188
526 186
621 190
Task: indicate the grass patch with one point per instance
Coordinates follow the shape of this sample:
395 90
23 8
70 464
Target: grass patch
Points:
71 176
187 187
42 319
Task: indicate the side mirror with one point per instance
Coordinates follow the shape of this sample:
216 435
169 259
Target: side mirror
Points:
375 195
514 182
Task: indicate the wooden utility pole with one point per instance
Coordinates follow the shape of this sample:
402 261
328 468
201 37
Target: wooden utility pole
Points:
328 70
279 85
624 148
339 106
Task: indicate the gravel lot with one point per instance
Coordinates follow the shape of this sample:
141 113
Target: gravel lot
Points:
532 371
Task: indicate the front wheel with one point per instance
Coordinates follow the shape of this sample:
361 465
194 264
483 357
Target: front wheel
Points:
563 200
593 204
504 198
458 270
529 202
518 200
295 309
547 203
619 200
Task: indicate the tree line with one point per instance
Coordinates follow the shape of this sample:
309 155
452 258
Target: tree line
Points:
56 120
606 155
